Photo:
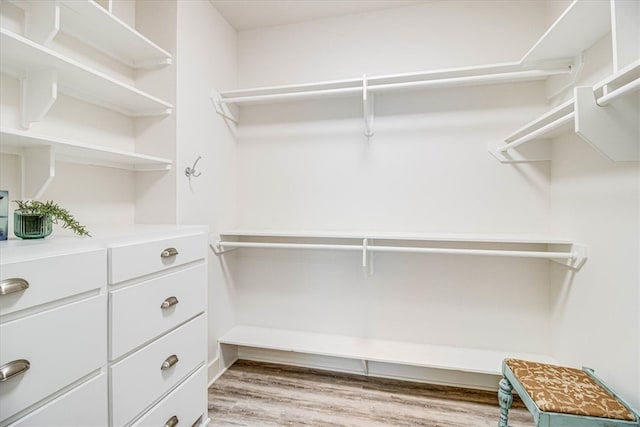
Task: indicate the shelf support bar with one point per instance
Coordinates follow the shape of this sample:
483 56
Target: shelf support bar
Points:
39 93
365 242
221 107
367 106
613 132
38 171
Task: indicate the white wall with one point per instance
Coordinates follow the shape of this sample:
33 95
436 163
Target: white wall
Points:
307 165
206 59
595 320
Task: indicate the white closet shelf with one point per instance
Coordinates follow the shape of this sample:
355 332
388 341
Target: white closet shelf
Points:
478 75
375 350
96 26
40 66
582 24
40 152
590 104
81 152
563 251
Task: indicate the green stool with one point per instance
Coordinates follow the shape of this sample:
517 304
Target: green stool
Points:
562 397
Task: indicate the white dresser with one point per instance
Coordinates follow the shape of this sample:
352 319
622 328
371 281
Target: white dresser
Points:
107 331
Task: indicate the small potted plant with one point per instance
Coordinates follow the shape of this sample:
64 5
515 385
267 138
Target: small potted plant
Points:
34 219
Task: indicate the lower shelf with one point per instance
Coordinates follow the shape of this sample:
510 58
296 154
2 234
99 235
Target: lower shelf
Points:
374 350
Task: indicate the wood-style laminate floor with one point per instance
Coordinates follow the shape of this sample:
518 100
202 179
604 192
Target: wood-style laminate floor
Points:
263 394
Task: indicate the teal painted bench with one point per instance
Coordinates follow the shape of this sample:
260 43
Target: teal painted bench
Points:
558 396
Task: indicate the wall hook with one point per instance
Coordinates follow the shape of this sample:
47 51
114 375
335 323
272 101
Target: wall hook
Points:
191 171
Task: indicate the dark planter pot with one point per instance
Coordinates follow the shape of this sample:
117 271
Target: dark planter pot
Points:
31 226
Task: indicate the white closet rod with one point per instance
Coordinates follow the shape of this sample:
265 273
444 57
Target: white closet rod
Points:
369 247
437 82
540 131
621 91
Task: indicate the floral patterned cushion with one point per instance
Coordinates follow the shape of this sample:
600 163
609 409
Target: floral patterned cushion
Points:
567 391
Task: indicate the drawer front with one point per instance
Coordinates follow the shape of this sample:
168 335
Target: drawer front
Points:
186 403
138 381
51 278
61 345
85 405
146 310
135 260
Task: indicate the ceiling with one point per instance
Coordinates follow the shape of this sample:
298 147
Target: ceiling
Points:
248 14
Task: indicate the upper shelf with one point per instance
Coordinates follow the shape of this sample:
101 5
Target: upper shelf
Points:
582 24
89 22
477 75
23 58
94 25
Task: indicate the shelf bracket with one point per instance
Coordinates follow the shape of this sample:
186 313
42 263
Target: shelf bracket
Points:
540 151
42 20
218 250
38 171
579 252
367 106
365 243
221 107
365 366
39 93
612 130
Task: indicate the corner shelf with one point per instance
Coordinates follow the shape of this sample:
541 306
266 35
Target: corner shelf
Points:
40 153
471 360
582 24
565 252
91 23
44 72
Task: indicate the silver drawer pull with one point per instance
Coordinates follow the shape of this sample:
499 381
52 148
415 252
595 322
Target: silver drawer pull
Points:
169 252
9 286
169 362
14 368
171 301
172 422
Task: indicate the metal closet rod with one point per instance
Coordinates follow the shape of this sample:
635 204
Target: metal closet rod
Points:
424 83
406 249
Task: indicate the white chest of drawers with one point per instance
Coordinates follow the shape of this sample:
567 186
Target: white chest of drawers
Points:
108 331
53 321
158 330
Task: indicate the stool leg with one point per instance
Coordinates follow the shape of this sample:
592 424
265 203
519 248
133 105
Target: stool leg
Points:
505 398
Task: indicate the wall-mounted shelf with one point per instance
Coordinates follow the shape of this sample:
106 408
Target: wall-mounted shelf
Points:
94 25
368 86
40 152
565 252
590 115
45 72
582 24
471 360
91 23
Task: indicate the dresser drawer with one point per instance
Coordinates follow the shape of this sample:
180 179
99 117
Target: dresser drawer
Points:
186 403
51 278
85 405
135 260
138 380
61 345
137 312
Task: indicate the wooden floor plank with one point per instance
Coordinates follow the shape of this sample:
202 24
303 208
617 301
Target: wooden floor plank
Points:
263 394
